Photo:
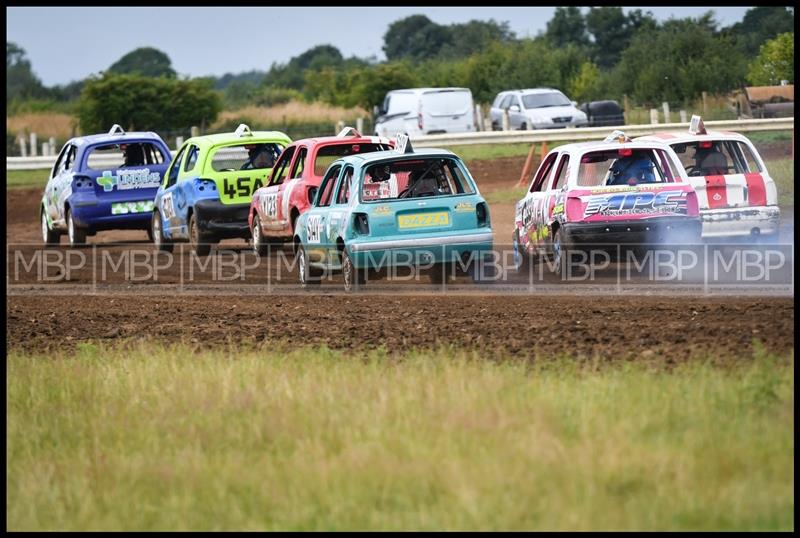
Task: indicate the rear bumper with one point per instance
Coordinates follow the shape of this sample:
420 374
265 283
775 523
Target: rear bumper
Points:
223 220
642 231
740 221
103 214
419 251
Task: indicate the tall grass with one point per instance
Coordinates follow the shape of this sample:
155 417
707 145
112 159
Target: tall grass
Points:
293 113
152 437
44 124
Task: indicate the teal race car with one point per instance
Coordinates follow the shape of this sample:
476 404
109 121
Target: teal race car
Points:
379 211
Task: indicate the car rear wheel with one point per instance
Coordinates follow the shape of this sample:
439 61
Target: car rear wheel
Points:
156 234
260 246
50 237
200 242
308 275
353 278
77 235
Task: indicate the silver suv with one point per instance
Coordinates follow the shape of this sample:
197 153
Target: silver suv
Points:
537 108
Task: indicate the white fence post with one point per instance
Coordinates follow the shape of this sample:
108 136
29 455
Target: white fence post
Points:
479 118
506 121
23 149
338 127
360 125
195 131
52 142
654 116
683 116
45 149
34 145
178 142
665 105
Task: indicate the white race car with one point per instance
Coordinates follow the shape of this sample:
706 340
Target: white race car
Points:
737 196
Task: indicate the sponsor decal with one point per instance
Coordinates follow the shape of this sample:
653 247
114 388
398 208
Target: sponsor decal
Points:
636 203
382 210
463 207
129 179
124 208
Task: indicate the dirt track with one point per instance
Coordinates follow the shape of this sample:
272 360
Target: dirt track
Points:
667 328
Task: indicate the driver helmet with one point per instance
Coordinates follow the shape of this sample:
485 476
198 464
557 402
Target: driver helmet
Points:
632 170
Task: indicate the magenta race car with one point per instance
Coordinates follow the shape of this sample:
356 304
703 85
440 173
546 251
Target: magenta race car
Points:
605 195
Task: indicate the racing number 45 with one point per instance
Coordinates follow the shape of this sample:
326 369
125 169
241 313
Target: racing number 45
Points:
239 188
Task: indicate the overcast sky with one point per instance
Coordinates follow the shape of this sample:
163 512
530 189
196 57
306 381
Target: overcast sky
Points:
69 43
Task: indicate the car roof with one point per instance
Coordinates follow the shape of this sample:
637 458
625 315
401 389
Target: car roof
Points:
533 90
601 145
365 159
680 137
320 140
106 138
226 138
424 90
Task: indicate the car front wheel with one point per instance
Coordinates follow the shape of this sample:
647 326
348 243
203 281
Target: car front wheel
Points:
156 234
200 242
259 245
308 275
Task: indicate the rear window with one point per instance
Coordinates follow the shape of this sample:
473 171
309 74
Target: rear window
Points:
622 167
444 103
259 156
327 154
716 157
124 155
418 178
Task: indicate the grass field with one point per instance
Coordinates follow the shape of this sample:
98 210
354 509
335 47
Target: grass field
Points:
150 437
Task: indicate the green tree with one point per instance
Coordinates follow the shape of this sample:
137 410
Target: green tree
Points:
144 61
585 84
759 25
292 74
775 62
21 82
415 37
567 26
474 36
147 103
612 31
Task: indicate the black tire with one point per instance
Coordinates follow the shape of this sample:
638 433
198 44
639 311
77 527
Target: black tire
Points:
353 278
200 242
523 126
561 252
49 237
522 260
149 234
76 234
495 126
308 275
156 233
260 245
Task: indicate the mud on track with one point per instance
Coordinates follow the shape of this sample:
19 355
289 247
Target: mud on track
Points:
665 328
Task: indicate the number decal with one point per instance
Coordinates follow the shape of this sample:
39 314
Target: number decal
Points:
167 206
314 228
228 189
240 187
269 205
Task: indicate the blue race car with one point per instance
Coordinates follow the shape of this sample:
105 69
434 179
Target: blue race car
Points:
389 209
103 182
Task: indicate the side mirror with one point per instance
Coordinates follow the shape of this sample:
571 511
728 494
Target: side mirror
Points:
574 103
376 111
513 108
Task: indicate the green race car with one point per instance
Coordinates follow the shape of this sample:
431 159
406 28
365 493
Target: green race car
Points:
205 194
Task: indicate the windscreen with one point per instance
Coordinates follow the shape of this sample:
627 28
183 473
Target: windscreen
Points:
327 154
418 178
447 103
621 167
543 100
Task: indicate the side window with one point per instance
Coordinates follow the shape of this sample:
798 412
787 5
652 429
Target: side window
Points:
69 162
172 175
299 163
62 159
543 172
327 187
748 157
191 158
282 167
561 176
343 195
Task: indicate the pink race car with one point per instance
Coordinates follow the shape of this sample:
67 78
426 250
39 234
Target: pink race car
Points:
736 194
295 179
603 194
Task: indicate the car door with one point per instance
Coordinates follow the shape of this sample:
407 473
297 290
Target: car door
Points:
59 186
271 198
317 220
170 200
534 226
516 114
340 212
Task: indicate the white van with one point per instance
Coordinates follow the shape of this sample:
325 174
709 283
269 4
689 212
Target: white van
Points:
421 111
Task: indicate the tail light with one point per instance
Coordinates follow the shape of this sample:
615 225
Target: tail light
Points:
419 116
573 209
482 211
705 144
625 152
361 223
82 183
205 184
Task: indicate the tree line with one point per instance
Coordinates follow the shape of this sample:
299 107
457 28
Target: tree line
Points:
594 53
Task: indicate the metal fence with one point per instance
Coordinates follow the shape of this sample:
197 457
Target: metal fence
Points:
510 137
